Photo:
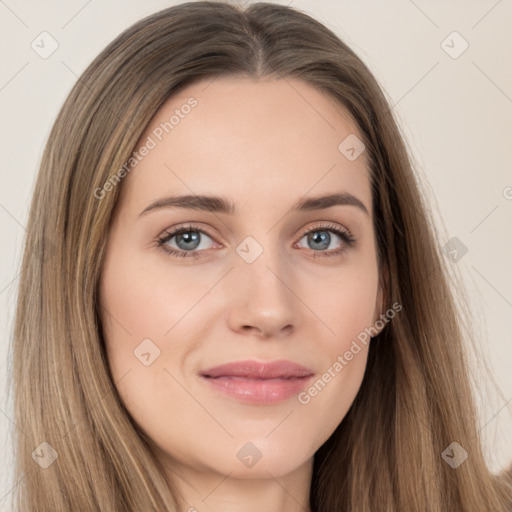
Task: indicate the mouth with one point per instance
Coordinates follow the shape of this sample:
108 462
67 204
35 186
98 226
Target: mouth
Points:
258 383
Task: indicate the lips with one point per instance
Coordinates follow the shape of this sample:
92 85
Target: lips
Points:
258 383
255 370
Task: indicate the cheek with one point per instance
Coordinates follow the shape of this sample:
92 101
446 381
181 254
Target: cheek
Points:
344 355
146 300
344 311
345 304
148 306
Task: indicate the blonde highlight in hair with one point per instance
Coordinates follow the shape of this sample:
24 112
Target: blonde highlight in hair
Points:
415 398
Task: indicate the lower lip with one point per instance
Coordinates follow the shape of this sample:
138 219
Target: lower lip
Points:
259 391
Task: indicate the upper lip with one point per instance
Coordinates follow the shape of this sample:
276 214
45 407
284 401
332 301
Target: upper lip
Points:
259 370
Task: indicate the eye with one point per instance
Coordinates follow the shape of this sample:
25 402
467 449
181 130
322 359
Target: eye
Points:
188 241
319 239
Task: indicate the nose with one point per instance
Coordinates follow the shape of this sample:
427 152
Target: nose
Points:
262 298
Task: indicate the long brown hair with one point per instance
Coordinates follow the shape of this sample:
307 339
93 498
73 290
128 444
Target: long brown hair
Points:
416 397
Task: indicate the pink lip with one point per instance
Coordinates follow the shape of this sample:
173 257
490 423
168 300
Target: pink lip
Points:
256 382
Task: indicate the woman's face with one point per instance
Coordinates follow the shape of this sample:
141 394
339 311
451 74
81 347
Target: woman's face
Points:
266 281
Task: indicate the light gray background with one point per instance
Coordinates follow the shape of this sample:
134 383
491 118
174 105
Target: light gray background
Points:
456 114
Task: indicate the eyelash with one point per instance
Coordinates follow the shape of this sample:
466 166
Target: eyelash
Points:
344 234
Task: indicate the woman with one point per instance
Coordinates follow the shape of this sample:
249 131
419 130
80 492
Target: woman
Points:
182 342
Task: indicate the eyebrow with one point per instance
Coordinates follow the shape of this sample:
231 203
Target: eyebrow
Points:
220 204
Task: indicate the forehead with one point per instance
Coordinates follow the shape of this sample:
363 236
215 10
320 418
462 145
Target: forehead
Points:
256 142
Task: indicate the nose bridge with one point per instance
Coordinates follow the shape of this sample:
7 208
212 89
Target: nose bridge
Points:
263 261
263 297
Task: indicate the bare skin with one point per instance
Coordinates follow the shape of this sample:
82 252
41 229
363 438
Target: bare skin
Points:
264 145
